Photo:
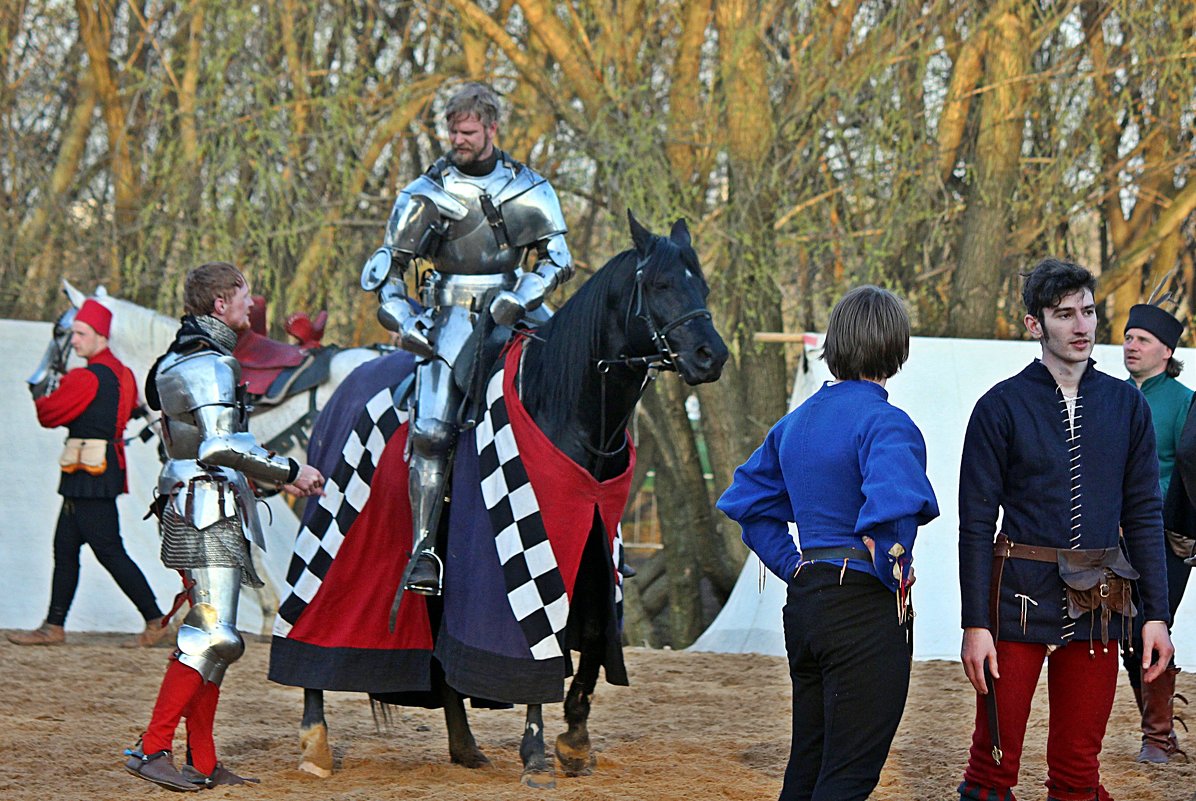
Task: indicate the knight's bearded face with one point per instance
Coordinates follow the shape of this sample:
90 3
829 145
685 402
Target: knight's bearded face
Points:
471 140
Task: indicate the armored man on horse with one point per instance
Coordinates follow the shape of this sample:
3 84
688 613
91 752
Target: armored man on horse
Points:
475 215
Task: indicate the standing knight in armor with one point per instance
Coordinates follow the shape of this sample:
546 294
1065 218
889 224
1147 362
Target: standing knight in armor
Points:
474 215
207 512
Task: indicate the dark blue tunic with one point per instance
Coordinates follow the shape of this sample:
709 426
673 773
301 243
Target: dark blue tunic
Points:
1060 488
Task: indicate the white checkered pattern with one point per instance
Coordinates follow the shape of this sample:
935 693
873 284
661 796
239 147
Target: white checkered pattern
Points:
535 589
346 490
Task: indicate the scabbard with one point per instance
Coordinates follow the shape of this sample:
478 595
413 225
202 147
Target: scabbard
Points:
990 704
1000 553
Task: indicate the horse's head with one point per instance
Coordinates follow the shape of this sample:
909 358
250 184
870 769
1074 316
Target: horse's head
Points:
53 362
668 314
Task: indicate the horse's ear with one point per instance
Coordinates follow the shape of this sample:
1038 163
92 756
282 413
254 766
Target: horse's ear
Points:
680 233
72 294
640 235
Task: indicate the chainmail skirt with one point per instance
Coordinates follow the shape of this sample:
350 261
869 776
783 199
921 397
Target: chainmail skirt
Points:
222 544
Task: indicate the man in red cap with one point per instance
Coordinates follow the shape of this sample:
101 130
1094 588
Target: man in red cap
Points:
94 403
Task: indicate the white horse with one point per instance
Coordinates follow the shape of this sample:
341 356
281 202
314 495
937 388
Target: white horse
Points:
140 335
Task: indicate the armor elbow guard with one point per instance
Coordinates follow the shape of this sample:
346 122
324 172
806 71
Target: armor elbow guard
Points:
553 274
240 451
383 269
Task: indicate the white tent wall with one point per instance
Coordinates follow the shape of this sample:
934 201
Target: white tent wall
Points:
29 505
938 387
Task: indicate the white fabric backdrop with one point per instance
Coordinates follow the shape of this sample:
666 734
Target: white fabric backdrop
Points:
938 387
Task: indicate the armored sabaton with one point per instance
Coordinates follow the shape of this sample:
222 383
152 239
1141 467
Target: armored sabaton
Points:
207 506
477 232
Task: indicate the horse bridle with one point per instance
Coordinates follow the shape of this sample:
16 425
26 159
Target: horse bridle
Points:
664 358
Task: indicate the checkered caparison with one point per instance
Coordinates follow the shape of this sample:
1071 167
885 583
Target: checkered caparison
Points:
346 490
535 589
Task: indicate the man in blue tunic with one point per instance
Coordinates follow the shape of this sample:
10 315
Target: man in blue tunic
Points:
1151 335
1064 456
849 469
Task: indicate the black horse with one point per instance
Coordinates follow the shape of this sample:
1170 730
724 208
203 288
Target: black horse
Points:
582 374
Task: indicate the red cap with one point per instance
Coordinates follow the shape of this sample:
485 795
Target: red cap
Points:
95 315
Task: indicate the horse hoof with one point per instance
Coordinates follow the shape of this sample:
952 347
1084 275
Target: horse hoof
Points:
571 767
575 762
538 779
473 759
317 756
314 770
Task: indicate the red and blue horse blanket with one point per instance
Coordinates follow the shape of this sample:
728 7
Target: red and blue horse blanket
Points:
519 550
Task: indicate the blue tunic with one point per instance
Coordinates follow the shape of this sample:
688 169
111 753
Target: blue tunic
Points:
1057 488
844 464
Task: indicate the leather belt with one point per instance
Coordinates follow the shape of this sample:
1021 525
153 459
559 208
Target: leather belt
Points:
1004 549
835 554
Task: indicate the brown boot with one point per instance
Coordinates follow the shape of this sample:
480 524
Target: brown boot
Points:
46 634
1159 743
155 630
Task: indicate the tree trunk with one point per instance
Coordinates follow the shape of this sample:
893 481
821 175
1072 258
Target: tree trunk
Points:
40 282
95 29
980 274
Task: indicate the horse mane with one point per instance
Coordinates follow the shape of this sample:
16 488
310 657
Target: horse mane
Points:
572 338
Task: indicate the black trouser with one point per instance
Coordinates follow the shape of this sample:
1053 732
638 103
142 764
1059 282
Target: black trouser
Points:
850 664
94 521
1177 582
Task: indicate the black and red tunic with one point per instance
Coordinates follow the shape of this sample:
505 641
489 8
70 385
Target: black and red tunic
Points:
93 402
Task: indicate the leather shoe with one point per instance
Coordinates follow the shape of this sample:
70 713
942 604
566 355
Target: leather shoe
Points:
425 575
155 630
220 776
46 634
159 768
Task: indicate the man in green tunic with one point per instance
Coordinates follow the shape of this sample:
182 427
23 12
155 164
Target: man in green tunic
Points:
1151 335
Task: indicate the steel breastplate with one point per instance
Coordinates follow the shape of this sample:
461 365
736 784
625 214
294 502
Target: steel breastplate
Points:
470 246
202 494
486 223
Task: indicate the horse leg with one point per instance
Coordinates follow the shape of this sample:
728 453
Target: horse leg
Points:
537 773
463 749
313 736
573 745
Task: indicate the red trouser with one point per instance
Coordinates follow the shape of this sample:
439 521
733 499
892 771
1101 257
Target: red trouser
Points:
1080 689
184 693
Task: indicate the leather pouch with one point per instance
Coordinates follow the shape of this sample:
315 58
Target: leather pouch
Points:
1181 546
88 455
1098 580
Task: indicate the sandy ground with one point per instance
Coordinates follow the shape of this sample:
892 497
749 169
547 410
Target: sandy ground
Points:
692 726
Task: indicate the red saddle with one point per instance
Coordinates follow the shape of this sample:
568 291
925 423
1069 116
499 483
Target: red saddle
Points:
262 358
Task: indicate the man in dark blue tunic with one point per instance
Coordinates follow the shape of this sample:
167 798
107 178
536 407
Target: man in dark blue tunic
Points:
1065 456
